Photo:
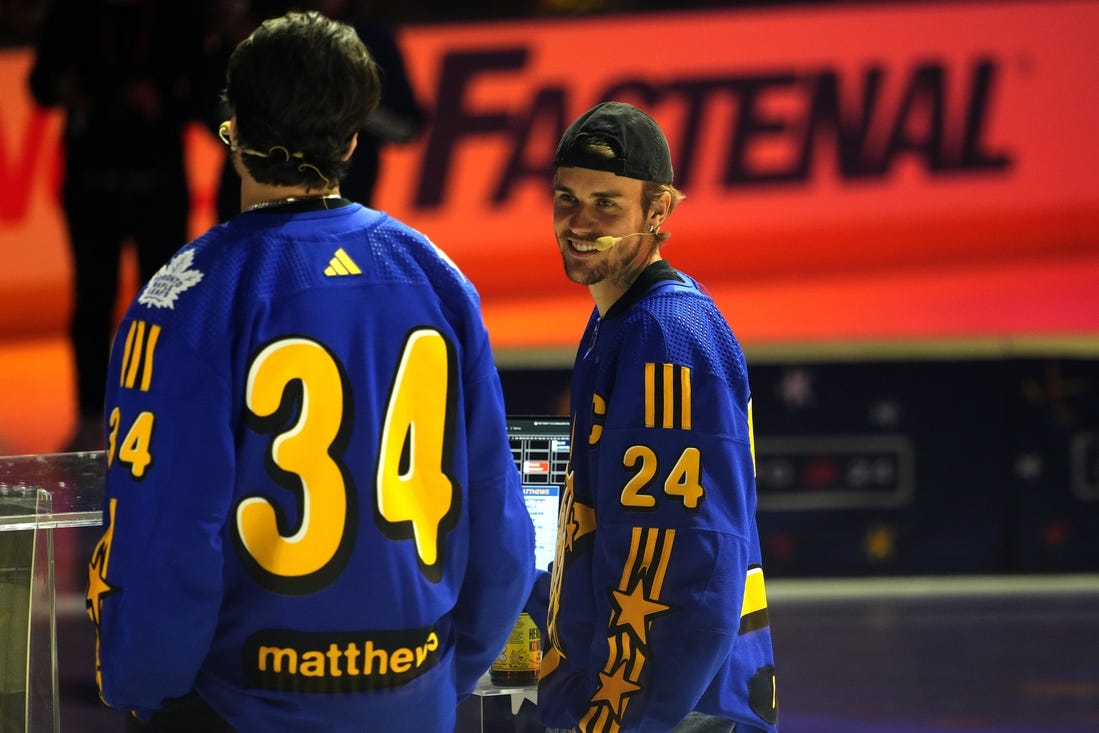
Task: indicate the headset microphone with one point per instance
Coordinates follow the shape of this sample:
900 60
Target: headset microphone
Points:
606 242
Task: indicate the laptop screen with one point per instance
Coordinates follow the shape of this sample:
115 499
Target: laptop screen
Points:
540 447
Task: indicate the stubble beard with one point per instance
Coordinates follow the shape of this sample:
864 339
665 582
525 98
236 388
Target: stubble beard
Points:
622 266
583 274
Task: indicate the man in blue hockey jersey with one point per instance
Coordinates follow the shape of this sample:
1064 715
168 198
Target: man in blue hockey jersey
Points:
657 617
313 519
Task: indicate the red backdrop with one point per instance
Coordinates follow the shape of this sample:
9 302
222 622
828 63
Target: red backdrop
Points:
868 174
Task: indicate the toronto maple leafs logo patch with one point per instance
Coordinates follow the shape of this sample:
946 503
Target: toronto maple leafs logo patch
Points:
170 280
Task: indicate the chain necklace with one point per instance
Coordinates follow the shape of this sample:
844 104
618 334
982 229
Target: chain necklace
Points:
288 200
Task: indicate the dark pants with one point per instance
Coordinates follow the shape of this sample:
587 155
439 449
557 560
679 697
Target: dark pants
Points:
100 222
699 723
189 714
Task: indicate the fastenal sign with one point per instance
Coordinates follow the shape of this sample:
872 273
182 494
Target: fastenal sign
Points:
886 171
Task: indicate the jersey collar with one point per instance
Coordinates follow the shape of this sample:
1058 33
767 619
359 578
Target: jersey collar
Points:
654 273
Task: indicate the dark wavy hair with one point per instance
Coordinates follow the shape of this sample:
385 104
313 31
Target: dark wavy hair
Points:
301 86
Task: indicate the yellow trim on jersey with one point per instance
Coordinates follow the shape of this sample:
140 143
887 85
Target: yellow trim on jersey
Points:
667 392
137 357
755 594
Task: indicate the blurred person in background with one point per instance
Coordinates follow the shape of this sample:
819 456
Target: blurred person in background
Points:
399 117
122 72
313 520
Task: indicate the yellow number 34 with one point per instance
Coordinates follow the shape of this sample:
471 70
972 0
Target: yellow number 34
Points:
415 496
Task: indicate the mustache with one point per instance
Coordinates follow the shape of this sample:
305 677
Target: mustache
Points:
591 238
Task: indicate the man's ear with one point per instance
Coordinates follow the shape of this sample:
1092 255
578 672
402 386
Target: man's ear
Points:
351 147
660 210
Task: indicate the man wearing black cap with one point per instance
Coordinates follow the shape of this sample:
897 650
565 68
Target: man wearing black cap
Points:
657 614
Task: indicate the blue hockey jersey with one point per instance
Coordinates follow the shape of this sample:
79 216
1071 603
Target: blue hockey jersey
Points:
312 515
657 605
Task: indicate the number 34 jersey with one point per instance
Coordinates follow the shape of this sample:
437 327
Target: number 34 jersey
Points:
312 515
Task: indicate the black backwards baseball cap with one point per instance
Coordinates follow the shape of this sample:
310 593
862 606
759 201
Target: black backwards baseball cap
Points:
640 148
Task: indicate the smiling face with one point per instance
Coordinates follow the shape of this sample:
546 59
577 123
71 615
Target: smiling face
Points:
588 204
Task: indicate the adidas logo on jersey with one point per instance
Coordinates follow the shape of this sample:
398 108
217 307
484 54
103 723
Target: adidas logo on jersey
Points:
341 264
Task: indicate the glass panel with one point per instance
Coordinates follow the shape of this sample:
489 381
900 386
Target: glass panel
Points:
28 660
73 480
38 493
43 697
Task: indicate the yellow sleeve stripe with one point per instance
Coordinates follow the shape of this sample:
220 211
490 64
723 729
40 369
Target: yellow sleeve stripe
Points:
667 396
127 352
685 396
650 389
752 436
753 612
755 595
150 347
137 357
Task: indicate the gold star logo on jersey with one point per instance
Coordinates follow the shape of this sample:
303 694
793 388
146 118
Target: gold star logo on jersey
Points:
341 264
635 610
98 587
615 689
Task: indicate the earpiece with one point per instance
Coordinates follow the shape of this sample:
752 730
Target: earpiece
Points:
607 241
223 132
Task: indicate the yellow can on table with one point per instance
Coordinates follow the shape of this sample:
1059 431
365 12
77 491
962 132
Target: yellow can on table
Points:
521 656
